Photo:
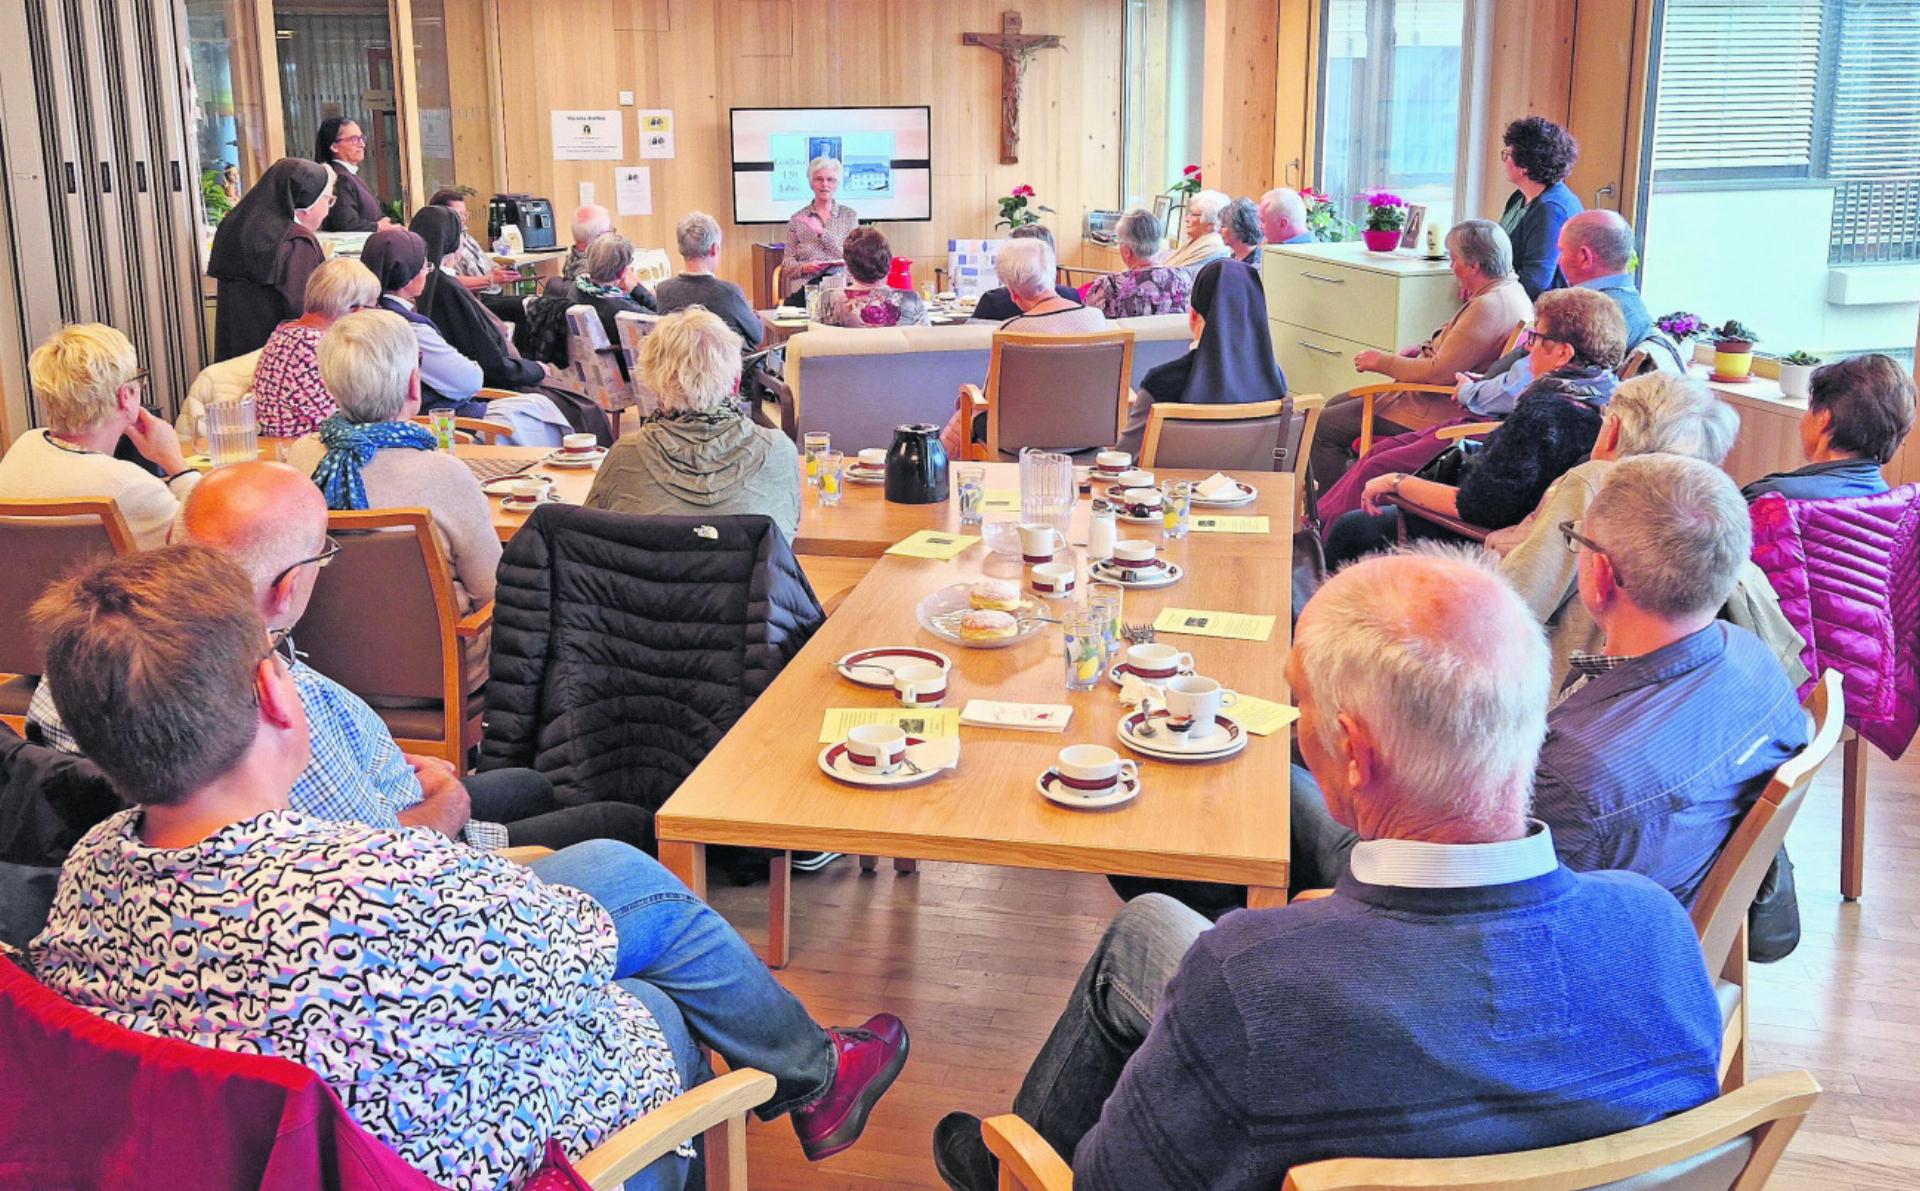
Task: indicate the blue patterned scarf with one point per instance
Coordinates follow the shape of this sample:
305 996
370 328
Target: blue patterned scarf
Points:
351 446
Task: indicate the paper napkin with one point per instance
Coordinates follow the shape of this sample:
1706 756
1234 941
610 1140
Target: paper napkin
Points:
1262 717
935 754
1208 523
1028 717
1193 622
1215 486
929 543
928 723
1133 689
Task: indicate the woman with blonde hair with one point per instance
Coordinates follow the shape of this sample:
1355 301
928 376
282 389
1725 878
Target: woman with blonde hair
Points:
699 455
289 399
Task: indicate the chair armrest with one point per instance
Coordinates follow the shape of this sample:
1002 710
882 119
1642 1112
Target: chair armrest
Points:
490 394
1465 529
1312 895
972 403
476 622
715 1102
1025 1155
526 854
1368 393
1465 430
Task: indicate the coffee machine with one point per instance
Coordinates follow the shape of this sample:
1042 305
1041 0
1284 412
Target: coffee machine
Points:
533 216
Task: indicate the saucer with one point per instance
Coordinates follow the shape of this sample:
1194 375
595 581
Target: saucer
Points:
584 459
1153 518
1246 493
1124 790
857 474
1108 574
1119 672
884 661
514 504
833 759
503 485
1226 739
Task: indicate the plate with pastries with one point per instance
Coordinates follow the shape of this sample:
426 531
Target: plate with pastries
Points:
985 614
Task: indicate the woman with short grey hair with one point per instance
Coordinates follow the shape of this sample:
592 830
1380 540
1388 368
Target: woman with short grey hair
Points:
289 399
1204 244
1146 286
1240 228
698 238
610 284
817 233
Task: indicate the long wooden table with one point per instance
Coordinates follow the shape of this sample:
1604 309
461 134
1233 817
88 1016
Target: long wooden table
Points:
1219 821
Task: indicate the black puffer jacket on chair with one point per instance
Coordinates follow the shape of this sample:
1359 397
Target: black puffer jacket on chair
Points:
624 647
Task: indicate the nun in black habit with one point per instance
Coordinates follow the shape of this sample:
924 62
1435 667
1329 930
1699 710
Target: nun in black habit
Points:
263 252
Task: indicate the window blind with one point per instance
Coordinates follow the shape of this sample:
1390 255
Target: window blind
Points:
1739 85
1876 91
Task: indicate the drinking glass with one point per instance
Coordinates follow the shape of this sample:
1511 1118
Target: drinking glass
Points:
1108 601
973 494
1085 645
442 422
1176 507
832 476
1046 489
814 443
232 434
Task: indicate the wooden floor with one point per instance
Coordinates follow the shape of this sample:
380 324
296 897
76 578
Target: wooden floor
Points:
978 962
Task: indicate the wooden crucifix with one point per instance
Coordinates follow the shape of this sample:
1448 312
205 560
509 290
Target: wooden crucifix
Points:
1014 48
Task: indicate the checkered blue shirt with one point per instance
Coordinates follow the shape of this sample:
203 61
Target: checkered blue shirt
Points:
356 772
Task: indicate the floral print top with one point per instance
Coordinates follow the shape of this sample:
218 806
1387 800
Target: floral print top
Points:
1139 292
288 398
463 1010
881 307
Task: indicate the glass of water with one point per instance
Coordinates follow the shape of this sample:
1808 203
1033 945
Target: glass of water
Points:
973 493
1085 640
1107 601
813 444
443 423
832 476
1176 507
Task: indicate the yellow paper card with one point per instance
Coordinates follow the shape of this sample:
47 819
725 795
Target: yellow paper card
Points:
928 723
1193 622
930 543
1000 500
1262 717
1211 524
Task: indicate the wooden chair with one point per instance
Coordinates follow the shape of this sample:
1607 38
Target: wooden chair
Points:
1249 437
1724 897
473 429
1729 1144
1050 391
383 623
41 541
1369 394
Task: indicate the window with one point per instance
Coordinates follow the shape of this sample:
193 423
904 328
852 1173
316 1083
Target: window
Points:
1391 76
1784 181
1160 122
230 118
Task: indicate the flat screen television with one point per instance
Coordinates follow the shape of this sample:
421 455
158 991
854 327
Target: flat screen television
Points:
886 172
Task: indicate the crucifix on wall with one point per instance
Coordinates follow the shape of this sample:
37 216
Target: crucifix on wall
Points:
1014 48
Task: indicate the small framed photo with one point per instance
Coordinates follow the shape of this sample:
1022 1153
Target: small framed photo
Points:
1416 225
1162 206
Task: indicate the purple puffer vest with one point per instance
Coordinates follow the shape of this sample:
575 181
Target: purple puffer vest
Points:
1848 576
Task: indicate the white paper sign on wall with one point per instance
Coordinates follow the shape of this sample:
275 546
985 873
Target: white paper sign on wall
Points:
656 132
588 136
633 190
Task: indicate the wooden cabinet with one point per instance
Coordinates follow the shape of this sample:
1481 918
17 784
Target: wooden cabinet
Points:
1327 301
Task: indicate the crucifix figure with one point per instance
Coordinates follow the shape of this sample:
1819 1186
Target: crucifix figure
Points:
1014 48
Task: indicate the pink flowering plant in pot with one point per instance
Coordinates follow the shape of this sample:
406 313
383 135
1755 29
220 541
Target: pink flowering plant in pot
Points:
1386 216
1015 210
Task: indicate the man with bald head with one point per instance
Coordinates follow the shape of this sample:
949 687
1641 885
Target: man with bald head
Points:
1459 993
1283 216
272 521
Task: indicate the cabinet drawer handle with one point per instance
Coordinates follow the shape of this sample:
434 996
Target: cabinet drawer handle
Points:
1314 347
1325 278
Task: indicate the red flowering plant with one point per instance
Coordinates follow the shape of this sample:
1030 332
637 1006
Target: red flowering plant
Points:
1386 211
1323 217
1014 211
1189 183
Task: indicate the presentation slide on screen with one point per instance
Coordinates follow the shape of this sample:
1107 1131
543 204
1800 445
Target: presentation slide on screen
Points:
885 171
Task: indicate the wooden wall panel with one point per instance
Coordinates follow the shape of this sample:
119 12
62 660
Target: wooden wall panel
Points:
1530 74
702 57
1237 120
470 84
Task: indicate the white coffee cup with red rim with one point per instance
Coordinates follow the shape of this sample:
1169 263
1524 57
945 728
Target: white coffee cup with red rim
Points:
1039 543
1136 478
1195 701
1135 551
1112 463
873 458
1139 502
1156 662
1051 578
920 684
876 749
579 444
528 490
1092 769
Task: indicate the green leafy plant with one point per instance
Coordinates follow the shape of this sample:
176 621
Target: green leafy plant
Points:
1734 329
214 196
1324 219
1800 359
1015 211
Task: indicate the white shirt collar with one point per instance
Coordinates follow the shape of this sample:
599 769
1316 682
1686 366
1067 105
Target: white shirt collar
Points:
349 166
403 301
1415 864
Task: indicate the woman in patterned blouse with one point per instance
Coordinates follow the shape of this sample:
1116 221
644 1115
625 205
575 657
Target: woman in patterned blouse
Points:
465 1009
867 300
1145 287
288 398
817 233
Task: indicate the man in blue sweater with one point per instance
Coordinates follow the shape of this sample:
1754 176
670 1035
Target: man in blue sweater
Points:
1459 993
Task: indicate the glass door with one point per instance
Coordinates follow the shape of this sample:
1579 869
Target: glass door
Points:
336 59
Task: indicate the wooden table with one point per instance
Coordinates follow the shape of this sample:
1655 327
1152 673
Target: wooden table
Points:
1219 821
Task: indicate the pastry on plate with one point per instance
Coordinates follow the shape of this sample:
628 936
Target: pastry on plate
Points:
1000 595
987 625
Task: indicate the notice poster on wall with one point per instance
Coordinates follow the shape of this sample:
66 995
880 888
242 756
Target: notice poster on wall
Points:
656 132
588 136
633 190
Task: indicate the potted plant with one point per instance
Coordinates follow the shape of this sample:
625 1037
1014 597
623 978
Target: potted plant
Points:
1386 215
1014 211
1733 344
1323 220
1796 373
1680 325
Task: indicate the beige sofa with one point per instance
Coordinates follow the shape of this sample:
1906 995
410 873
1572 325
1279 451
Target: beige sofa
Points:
858 384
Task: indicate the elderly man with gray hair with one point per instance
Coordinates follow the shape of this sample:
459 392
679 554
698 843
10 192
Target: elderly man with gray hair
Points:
1495 305
1204 245
1460 982
698 238
589 224
1283 216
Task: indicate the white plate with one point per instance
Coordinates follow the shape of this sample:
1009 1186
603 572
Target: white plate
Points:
940 613
1246 495
1124 790
1105 574
885 660
562 459
861 475
1114 676
514 504
503 485
833 760
1164 746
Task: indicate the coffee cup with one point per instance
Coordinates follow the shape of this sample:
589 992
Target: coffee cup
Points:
873 457
1092 769
876 748
1039 543
578 444
1139 502
1155 662
1112 463
1134 479
1135 551
919 684
1052 578
528 490
1195 701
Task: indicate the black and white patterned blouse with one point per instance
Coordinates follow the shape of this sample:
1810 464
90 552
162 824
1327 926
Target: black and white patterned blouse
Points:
463 1010
811 243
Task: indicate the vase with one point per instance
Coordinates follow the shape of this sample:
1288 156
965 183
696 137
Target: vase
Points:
1732 359
1383 241
1796 380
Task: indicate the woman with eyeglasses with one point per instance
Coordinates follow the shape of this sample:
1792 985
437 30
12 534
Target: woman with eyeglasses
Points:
341 146
1578 338
264 251
289 399
1537 155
